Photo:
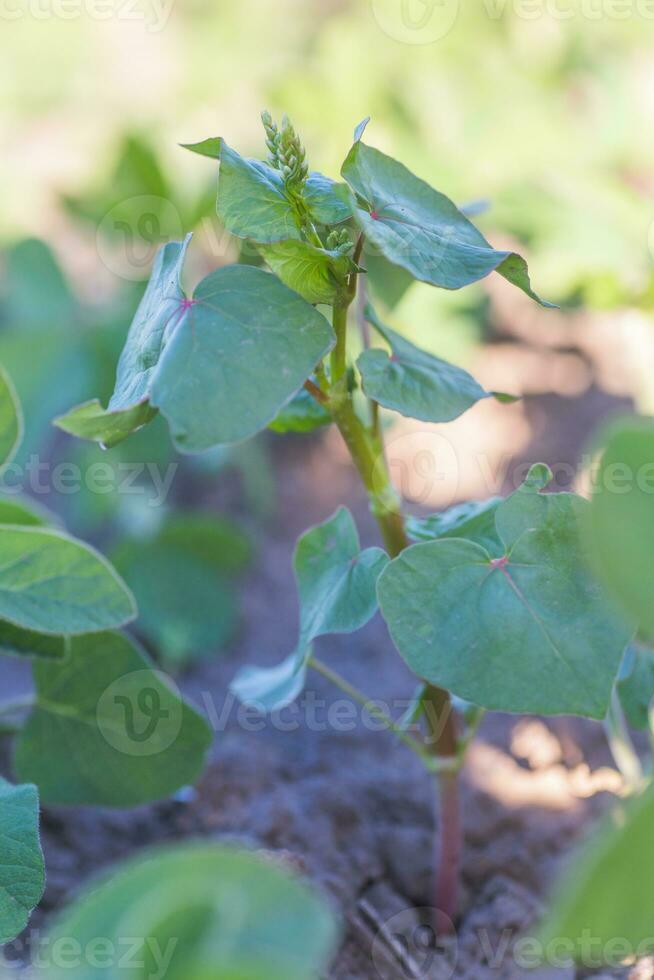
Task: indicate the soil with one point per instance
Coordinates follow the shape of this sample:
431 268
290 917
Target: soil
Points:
349 806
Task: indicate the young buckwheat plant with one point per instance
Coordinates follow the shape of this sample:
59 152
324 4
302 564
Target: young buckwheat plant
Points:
490 604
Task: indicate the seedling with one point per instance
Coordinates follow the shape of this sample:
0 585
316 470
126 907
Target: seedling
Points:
492 603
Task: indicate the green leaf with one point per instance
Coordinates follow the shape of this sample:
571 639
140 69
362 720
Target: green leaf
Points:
272 688
318 275
202 912
523 629
22 872
244 348
187 607
18 642
11 420
18 510
51 305
473 520
636 685
159 314
607 891
336 588
386 282
325 200
117 732
621 524
414 383
91 421
220 543
302 414
420 229
52 583
252 202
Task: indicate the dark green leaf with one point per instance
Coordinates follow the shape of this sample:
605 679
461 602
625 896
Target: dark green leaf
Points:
336 587
22 872
19 510
243 350
187 608
415 383
420 229
387 282
636 685
473 520
18 642
524 629
621 525
52 304
607 892
218 542
302 414
203 913
11 420
159 314
52 583
117 732
318 275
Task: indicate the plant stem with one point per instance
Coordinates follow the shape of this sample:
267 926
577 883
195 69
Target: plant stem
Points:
622 748
339 353
367 451
443 737
373 709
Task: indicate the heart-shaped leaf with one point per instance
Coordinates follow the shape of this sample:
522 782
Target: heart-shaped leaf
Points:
621 524
414 383
22 872
245 347
158 315
420 229
526 629
318 275
202 912
606 897
336 588
52 583
108 729
11 420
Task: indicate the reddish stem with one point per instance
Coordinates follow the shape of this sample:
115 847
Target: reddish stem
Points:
441 723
